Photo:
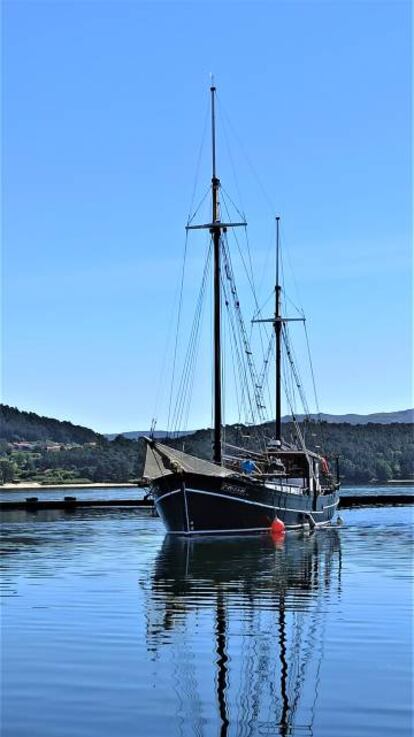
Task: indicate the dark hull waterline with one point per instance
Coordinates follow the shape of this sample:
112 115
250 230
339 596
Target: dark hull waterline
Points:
201 505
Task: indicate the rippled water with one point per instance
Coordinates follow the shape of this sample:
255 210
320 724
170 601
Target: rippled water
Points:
378 489
19 495
110 628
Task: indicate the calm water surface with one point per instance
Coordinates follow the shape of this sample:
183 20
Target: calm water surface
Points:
377 489
19 495
111 628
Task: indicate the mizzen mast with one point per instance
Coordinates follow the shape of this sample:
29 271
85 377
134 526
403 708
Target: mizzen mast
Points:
278 320
278 331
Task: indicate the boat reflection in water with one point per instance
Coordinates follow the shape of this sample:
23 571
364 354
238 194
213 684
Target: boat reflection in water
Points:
264 604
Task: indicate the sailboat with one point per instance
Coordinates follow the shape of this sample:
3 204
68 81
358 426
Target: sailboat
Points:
247 489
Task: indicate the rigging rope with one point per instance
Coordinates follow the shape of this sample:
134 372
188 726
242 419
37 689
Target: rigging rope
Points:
203 199
200 151
185 387
225 118
264 373
318 411
248 353
312 372
250 279
295 370
180 303
246 401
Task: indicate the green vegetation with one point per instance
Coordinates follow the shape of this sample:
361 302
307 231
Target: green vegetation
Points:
18 425
366 452
118 461
44 450
34 448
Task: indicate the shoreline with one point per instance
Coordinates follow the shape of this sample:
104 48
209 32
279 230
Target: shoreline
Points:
36 486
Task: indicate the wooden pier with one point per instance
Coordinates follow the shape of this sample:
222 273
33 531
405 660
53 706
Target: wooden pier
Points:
74 503
34 503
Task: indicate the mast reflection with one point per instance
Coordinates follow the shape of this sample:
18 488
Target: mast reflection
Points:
264 603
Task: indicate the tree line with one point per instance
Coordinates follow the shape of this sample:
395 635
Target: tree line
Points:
19 425
366 452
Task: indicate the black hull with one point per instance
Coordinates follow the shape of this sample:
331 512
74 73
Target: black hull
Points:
192 504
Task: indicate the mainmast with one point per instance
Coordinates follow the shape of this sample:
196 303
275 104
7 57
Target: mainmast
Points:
215 230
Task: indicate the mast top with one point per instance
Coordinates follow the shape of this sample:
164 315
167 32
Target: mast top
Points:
213 134
216 223
277 287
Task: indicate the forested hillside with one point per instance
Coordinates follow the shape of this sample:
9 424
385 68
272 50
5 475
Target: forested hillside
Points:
45 450
366 452
18 425
34 448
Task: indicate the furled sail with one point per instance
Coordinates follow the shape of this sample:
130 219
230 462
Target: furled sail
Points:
154 465
161 460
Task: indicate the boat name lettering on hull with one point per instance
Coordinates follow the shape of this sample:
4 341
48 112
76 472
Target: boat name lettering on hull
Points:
240 490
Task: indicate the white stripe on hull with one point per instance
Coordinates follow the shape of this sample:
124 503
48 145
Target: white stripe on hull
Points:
248 501
305 524
169 493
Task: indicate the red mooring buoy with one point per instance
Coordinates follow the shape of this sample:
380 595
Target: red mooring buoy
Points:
278 527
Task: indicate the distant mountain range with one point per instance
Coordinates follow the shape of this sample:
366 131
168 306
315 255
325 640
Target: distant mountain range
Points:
134 434
384 418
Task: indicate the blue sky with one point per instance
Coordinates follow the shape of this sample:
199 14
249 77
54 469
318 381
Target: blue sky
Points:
104 105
